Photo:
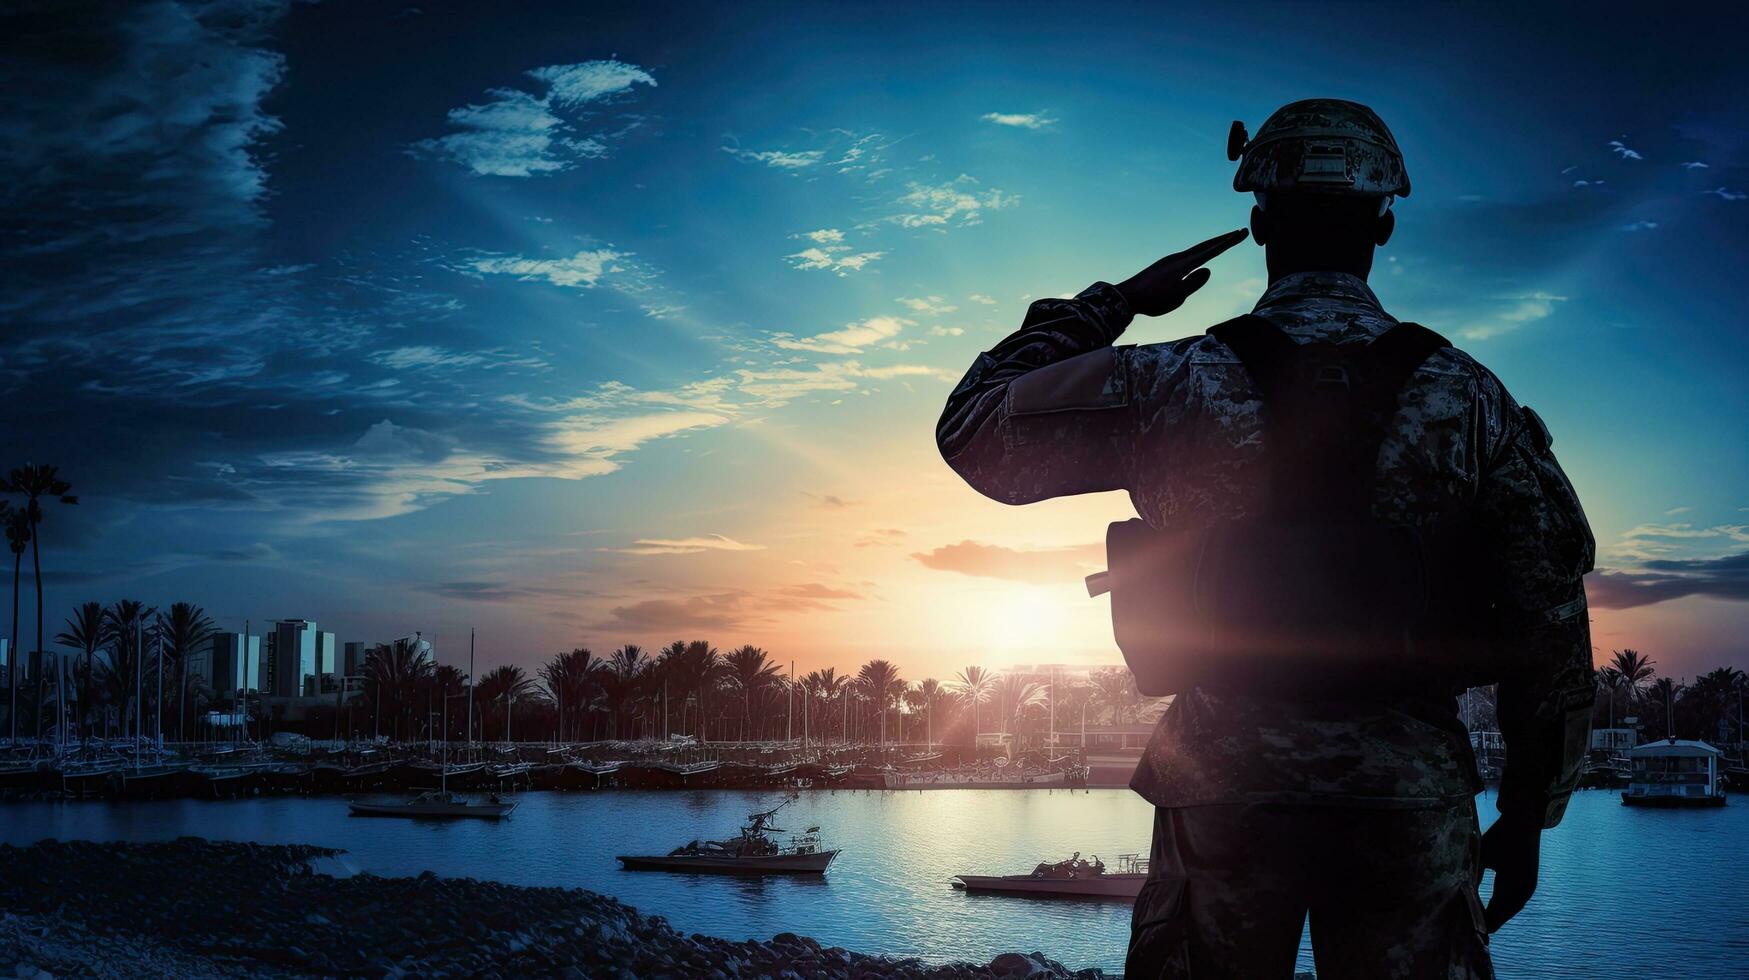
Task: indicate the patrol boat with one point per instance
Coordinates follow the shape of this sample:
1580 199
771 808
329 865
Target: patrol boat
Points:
1073 878
751 852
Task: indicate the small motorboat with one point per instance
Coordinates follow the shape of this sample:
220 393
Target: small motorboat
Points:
751 852
1073 878
436 805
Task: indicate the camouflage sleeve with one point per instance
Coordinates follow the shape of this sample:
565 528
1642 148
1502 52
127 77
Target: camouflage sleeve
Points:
1541 546
1045 412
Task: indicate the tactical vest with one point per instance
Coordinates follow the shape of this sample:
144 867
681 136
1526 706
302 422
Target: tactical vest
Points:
1313 591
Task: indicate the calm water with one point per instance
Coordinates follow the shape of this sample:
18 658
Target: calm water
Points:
1625 892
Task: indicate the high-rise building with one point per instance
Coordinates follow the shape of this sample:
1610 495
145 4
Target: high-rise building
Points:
353 663
295 667
227 665
327 663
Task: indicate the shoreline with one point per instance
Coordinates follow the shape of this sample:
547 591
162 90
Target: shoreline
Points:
193 907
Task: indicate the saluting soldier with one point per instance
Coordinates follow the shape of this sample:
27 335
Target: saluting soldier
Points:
1289 780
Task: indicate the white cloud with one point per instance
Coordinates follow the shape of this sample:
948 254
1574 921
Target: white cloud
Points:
1021 120
850 340
824 236
1639 226
981 298
684 546
1523 309
836 258
927 305
581 271
518 134
946 331
780 159
955 202
587 81
1588 183
1693 165
1622 150
1726 194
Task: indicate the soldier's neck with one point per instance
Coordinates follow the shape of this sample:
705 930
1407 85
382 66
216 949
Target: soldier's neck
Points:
1282 262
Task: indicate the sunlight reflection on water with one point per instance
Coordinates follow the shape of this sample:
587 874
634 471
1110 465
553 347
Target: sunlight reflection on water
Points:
1624 892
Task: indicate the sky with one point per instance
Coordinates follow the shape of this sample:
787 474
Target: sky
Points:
592 324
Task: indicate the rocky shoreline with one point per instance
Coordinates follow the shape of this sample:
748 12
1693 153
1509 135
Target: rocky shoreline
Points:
197 908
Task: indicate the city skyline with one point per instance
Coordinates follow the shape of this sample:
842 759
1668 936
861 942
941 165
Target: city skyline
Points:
616 329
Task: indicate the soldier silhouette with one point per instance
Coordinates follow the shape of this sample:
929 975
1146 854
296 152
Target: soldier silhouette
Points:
1345 522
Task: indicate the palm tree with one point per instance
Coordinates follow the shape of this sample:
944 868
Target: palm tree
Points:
1663 693
1015 696
930 691
826 685
1635 669
394 672
881 680
1609 679
124 635
573 679
973 685
671 671
37 482
84 633
18 536
507 683
746 666
1710 697
626 670
1116 688
700 666
185 630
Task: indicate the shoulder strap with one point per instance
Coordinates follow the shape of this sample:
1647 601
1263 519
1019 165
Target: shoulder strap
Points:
1395 355
1261 346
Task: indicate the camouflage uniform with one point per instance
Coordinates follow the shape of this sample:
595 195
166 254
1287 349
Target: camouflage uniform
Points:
1055 409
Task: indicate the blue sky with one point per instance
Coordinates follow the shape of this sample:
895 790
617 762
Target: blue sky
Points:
590 324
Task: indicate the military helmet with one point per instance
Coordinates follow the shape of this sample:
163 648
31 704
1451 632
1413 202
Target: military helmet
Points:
1329 146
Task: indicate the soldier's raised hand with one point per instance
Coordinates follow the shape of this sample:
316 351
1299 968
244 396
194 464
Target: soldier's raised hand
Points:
1164 286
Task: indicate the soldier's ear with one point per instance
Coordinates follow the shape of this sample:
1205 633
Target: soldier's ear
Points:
1387 224
1259 226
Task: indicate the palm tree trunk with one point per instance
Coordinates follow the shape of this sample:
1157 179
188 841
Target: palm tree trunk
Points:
37 568
12 655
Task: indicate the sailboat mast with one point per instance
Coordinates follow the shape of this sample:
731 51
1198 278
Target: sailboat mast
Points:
470 738
443 779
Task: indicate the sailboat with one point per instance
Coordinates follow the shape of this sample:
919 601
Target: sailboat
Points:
440 803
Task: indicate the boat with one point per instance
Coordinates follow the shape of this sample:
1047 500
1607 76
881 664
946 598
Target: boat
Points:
436 804
1674 772
1073 878
440 803
750 852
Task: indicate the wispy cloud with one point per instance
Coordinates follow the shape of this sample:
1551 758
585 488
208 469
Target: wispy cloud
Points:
1039 566
780 159
1622 150
1519 311
1019 120
684 546
1726 194
517 133
957 202
835 258
927 305
584 270
852 339
1641 225
1693 165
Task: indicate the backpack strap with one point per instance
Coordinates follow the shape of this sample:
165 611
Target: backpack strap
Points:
1262 347
1393 357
